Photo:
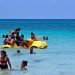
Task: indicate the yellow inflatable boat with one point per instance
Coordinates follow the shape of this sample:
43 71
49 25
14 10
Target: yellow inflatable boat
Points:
36 44
5 46
39 44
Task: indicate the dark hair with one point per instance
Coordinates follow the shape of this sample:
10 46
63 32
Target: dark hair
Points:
6 36
25 62
3 36
18 51
18 29
32 33
22 36
4 52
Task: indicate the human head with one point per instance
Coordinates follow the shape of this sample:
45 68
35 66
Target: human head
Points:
3 53
18 51
32 33
24 64
6 36
43 37
22 36
3 36
18 29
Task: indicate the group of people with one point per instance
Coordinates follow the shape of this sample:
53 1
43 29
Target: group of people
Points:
4 62
14 38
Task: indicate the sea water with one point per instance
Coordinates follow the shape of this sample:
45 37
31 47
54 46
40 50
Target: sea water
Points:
57 59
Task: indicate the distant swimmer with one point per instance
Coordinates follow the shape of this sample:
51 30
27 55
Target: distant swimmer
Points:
45 38
33 37
18 52
24 65
3 36
4 60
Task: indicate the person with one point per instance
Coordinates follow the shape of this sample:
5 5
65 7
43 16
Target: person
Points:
33 37
16 31
45 38
24 65
7 40
19 39
31 50
22 36
18 52
4 60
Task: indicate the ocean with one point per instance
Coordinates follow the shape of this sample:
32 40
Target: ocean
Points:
57 59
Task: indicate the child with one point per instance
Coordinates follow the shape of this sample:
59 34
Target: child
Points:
24 65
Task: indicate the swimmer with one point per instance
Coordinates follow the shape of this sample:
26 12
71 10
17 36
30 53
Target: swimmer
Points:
22 36
24 65
18 52
45 38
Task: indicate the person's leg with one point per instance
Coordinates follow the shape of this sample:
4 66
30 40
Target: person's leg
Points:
31 50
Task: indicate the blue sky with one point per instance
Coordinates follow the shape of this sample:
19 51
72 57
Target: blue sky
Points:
37 9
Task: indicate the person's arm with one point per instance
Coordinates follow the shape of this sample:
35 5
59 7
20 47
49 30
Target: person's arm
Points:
9 63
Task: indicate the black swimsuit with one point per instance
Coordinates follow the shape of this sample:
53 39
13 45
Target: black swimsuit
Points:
3 66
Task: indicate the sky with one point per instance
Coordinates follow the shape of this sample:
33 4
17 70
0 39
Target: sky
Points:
37 9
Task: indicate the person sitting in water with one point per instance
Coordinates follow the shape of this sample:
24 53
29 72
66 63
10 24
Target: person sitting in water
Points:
18 52
16 31
24 65
4 60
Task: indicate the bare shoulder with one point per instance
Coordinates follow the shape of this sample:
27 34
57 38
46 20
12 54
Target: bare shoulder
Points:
7 58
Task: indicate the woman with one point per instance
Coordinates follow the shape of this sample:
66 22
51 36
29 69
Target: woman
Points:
4 61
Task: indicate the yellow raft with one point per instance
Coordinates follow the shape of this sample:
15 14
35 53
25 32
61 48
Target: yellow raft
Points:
5 46
31 43
39 44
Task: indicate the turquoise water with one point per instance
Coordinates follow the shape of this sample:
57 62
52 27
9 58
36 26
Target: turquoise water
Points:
57 59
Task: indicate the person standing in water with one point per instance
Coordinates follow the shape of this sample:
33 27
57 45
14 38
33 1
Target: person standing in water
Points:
4 61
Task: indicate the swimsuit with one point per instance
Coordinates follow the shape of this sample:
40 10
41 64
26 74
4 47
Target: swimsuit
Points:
5 66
